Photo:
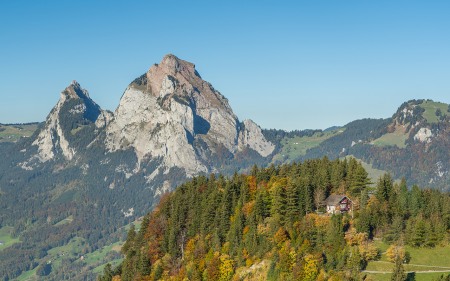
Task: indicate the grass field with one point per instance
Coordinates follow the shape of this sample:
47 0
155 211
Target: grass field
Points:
396 138
69 219
114 263
293 148
5 237
95 260
99 255
430 110
374 174
11 133
417 276
424 262
70 250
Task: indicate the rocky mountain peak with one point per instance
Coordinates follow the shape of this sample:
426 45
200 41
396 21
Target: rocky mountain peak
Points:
174 76
169 116
172 113
74 90
173 64
74 110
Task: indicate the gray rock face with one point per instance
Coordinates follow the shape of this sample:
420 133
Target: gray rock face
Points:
76 104
170 114
170 111
251 136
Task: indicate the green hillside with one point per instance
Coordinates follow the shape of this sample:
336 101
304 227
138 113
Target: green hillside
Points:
292 148
430 110
423 263
6 240
373 173
396 138
12 133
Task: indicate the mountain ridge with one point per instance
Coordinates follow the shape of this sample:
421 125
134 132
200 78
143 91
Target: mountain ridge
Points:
105 169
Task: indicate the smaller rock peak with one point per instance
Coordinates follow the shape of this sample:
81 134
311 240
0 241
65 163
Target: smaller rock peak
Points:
74 90
75 84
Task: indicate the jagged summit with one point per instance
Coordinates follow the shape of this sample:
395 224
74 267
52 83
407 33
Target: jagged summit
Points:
74 110
169 115
75 90
172 113
173 64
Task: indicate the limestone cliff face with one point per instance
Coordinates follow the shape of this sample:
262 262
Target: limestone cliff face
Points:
74 109
252 137
172 113
169 114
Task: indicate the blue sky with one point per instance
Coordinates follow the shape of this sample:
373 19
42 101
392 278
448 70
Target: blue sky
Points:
284 64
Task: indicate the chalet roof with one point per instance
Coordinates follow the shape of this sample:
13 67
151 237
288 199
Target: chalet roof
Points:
334 199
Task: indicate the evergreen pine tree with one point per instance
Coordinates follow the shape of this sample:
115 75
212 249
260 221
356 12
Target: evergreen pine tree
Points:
359 181
236 229
131 237
419 232
403 197
292 204
415 200
144 264
278 207
354 263
395 231
384 188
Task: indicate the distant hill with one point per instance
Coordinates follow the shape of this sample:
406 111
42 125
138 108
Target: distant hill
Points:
13 132
413 144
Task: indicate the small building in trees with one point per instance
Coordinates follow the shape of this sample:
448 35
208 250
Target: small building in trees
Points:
337 204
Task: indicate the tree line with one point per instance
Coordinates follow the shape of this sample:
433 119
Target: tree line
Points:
216 228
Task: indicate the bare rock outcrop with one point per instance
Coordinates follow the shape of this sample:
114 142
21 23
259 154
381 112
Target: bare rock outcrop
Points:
73 105
172 113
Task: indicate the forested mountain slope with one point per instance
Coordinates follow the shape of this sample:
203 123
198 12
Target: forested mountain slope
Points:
269 225
413 144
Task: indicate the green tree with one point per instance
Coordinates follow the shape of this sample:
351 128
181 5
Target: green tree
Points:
394 232
354 263
399 273
359 181
144 264
292 204
107 273
419 232
278 206
403 197
129 244
384 188
415 200
262 204
44 269
236 230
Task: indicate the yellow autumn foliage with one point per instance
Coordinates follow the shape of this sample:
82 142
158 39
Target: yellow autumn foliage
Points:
393 251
